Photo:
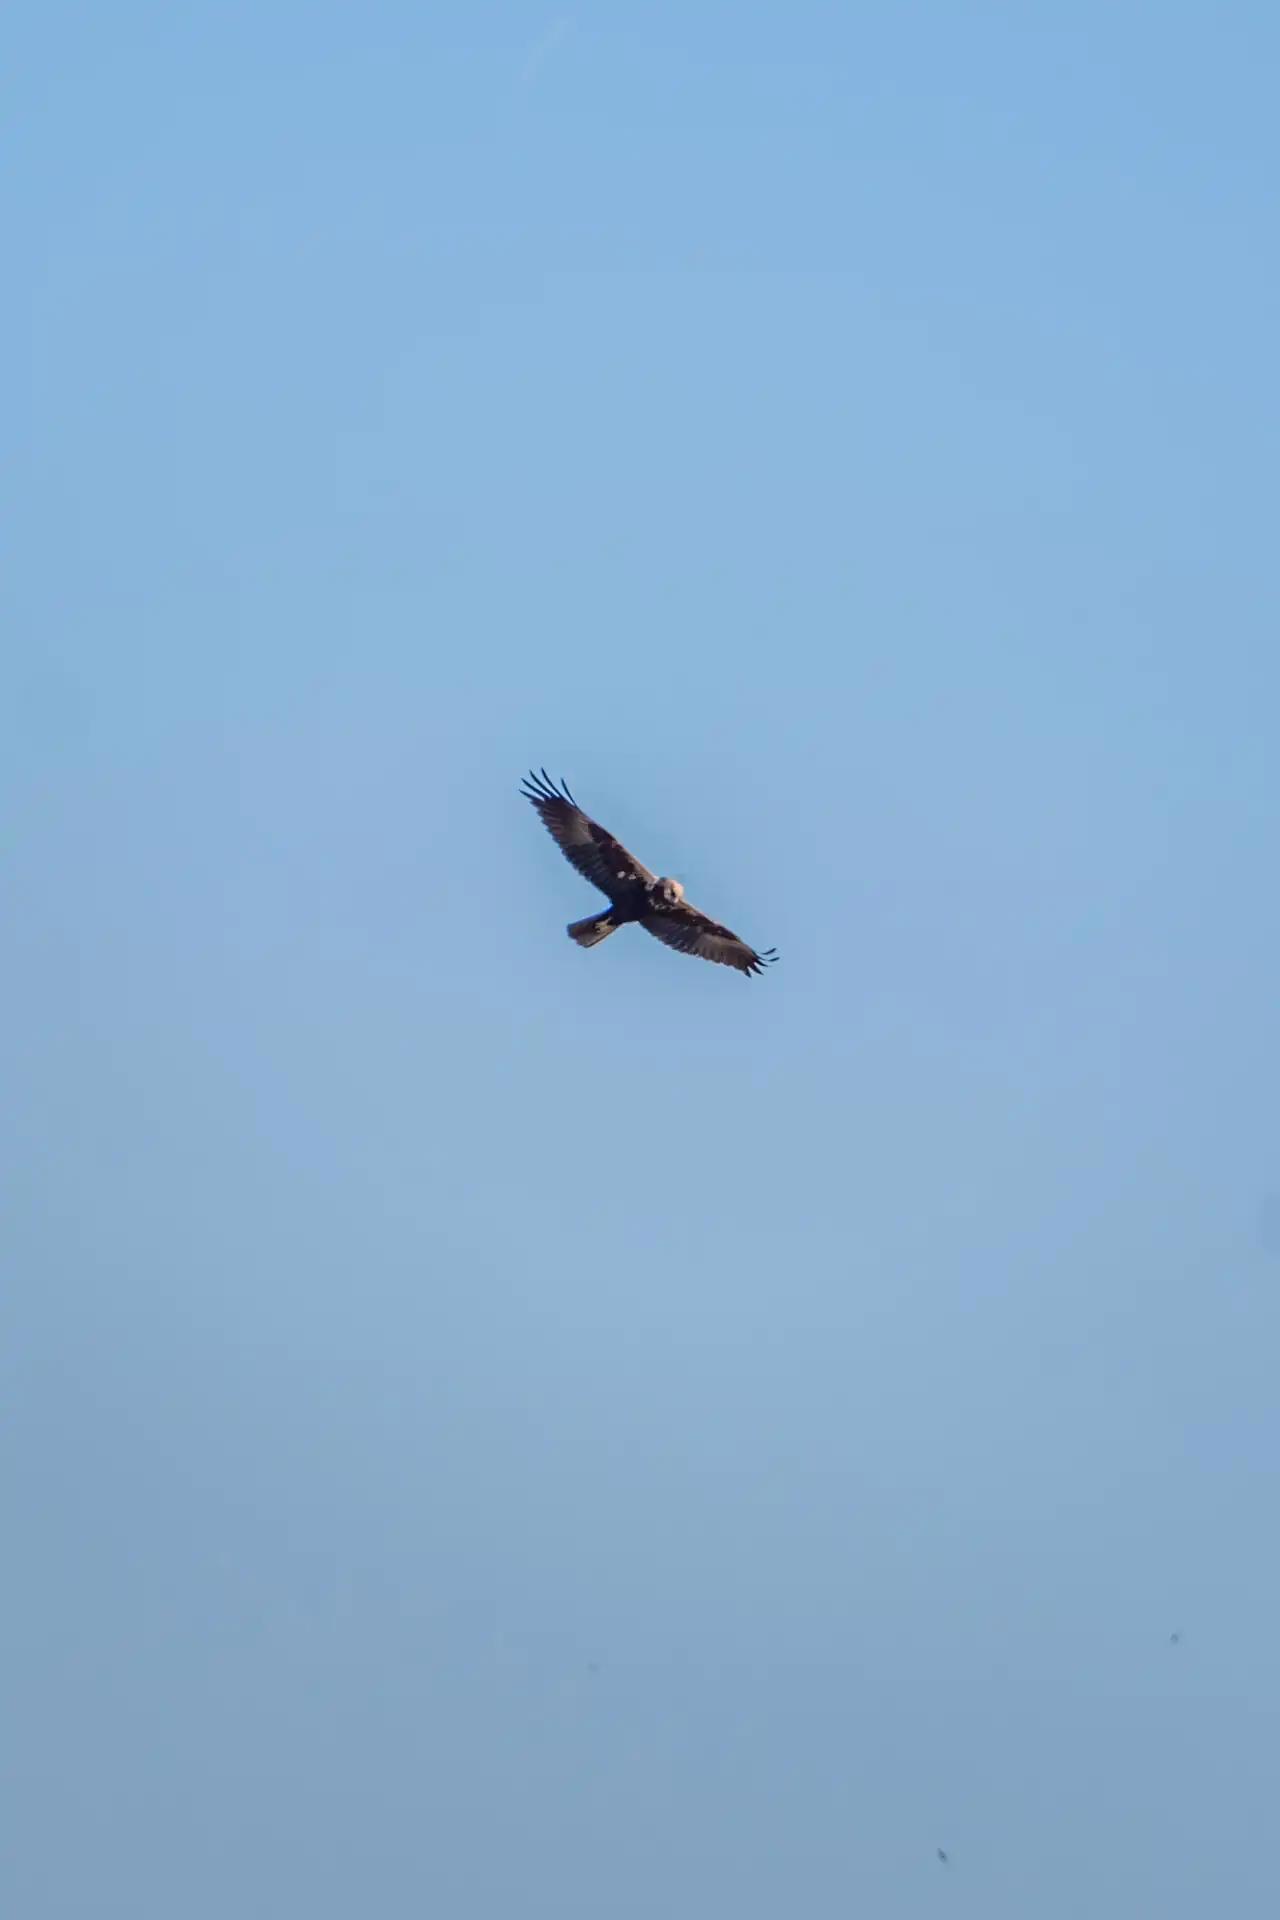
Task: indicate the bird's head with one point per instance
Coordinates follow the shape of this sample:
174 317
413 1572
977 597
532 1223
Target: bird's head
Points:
670 892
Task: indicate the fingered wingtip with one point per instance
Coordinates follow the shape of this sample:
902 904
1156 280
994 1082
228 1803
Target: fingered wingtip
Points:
759 961
540 786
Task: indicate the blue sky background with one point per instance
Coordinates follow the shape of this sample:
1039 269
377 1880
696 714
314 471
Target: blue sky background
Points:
502 1430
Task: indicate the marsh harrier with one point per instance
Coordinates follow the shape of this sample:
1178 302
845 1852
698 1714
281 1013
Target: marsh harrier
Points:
658 905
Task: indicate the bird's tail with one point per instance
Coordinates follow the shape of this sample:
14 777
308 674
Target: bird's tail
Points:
590 932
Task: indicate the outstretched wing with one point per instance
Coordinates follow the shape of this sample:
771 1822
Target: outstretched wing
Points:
598 857
689 931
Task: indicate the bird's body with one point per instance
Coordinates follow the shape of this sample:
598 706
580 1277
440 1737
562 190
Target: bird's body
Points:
636 896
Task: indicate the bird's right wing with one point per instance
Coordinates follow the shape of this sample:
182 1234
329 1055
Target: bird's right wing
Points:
598 857
688 930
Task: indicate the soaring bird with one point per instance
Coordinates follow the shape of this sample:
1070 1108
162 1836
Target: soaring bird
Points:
658 905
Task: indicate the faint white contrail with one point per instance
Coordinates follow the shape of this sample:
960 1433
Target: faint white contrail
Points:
554 34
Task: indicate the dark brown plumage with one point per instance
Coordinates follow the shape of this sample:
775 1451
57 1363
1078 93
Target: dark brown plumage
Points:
635 895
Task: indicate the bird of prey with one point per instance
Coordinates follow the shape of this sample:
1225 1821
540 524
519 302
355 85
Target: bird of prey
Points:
944 1856
635 895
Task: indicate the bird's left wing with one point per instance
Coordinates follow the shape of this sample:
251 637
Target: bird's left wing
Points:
598 857
689 931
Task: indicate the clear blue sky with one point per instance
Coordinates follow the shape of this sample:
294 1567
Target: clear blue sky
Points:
502 1430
